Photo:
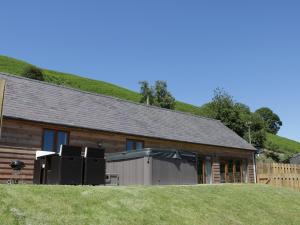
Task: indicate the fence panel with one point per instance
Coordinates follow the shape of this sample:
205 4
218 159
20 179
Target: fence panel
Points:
279 174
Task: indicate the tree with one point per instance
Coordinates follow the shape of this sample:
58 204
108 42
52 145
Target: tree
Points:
157 95
223 108
272 120
147 93
33 72
236 116
163 97
257 129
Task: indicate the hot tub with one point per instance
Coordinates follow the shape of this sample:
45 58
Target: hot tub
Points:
153 167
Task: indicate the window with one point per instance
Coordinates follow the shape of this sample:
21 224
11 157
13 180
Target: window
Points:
62 139
134 145
139 145
48 140
237 166
52 139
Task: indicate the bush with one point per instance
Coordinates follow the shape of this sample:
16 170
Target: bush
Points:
33 72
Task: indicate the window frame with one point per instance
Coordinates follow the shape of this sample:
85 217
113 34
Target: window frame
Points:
55 137
134 144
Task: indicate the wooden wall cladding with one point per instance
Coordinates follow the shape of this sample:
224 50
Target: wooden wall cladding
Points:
27 135
8 154
16 133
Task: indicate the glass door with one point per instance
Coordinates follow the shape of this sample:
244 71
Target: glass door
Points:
200 170
208 171
230 178
245 171
237 171
232 171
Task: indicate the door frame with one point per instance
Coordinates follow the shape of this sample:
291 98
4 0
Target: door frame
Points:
203 159
225 161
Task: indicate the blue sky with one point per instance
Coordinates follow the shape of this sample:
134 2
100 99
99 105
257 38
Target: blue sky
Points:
251 49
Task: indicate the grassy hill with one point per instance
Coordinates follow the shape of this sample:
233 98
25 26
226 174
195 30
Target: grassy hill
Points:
14 66
282 145
204 204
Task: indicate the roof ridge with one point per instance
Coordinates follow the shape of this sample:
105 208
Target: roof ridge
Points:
107 96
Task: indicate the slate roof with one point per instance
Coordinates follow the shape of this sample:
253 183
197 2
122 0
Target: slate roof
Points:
43 102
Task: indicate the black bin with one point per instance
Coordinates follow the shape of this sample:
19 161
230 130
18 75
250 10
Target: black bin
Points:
94 166
37 171
65 168
40 170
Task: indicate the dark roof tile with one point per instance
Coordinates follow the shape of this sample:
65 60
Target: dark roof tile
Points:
43 102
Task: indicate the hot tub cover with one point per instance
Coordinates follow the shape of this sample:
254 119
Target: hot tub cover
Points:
150 152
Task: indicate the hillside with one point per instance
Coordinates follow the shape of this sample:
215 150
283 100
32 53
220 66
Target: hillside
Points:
14 66
204 204
282 145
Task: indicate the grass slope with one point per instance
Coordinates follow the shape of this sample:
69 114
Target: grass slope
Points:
206 204
282 145
14 66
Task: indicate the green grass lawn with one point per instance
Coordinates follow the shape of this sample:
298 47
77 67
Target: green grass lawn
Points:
206 204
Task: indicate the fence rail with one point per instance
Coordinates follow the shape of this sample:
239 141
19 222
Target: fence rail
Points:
279 174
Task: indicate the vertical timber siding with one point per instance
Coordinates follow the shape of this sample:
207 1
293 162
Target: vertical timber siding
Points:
216 170
251 178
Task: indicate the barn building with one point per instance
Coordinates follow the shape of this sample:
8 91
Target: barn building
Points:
41 116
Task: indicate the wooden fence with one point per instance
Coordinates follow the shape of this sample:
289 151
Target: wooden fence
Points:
279 174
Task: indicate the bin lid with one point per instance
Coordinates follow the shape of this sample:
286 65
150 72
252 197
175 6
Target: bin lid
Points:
43 153
153 152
